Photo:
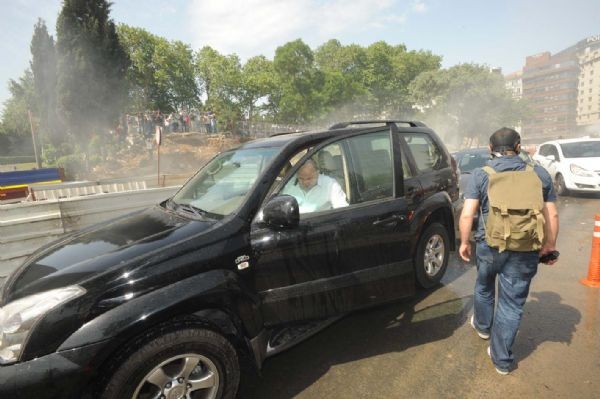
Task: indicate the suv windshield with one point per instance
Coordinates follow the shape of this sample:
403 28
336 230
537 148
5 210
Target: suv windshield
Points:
582 149
220 186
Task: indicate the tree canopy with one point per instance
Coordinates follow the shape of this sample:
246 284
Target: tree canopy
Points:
466 100
96 72
43 66
92 64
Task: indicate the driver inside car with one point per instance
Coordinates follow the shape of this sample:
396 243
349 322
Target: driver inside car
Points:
314 191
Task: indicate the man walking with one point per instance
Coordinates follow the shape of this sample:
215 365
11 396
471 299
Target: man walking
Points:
518 223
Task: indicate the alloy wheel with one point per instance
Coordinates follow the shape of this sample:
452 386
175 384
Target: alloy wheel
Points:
434 255
187 376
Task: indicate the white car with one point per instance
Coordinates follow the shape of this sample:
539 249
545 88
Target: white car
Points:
574 164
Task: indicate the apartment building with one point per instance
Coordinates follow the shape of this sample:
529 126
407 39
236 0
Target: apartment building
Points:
514 83
550 88
562 92
588 98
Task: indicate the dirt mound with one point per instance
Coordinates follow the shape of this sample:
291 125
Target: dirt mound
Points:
180 154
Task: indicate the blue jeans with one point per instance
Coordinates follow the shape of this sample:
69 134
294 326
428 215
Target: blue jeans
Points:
515 271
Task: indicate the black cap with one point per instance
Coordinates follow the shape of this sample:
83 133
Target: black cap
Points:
505 139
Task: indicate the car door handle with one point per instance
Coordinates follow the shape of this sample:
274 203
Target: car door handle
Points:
390 221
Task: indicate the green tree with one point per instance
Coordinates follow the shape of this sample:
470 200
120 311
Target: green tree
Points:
140 46
15 127
221 78
465 101
389 72
174 75
297 98
257 82
344 87
92 64
43 65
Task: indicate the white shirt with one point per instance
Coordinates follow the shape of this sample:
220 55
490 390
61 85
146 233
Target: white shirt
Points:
324 195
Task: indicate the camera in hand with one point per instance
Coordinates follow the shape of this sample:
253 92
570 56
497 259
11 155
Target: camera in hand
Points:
550 256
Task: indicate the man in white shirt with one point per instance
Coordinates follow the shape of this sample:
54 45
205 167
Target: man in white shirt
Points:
315 192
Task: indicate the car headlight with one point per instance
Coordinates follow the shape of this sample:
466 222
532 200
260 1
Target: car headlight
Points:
18 318
579 171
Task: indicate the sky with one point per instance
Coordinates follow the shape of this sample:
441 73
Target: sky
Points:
495 33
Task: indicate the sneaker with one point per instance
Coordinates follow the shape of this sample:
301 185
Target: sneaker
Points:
499 371
482 335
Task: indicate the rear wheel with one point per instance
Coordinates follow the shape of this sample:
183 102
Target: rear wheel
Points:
188 363
432 255
559 184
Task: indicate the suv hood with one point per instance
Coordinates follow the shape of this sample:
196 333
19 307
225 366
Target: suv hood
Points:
83 254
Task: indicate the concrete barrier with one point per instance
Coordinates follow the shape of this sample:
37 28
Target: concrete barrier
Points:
26 226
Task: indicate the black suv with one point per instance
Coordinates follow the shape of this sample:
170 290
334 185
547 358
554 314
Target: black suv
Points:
171 301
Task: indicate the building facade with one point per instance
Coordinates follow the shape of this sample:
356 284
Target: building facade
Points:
514 83
561 92
550 92
588 98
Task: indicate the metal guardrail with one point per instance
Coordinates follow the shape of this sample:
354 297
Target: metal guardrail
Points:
26 226
77 189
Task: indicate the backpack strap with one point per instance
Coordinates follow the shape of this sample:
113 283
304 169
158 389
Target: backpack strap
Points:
539 218
489 170
506 224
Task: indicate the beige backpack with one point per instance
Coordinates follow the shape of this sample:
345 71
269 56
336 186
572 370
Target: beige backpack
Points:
515 221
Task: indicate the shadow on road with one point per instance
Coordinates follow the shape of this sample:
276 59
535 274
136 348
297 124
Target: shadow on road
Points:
546 319
361 335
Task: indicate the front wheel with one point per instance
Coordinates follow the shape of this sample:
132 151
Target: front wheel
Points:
188 363
432 255
561 187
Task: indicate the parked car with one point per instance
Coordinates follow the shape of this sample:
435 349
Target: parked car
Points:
574 164
171 301
469 159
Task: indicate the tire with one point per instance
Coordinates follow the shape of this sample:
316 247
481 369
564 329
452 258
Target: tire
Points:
431 259
174 363
559 184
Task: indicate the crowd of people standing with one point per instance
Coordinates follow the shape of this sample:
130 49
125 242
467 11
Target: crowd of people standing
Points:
175 122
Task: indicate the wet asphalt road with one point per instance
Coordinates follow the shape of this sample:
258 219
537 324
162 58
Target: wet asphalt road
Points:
424 347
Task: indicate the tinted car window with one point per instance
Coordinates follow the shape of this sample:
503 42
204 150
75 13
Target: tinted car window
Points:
553 151
426 153
406 170
583 149
320 184
372 166
220 187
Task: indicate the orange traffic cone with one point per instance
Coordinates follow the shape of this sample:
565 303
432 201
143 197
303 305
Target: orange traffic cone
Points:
593 278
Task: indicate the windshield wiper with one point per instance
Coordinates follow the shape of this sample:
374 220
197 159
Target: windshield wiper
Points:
201 213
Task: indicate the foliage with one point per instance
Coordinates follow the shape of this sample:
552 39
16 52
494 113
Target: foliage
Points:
161 74
73 164
43 65
389 71
257 82
297 98
15 119
467 100
221 78
92 90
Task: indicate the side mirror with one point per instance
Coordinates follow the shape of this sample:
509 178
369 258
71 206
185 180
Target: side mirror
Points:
551 157
281 211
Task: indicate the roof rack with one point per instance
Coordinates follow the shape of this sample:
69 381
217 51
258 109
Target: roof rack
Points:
286 132
387 122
